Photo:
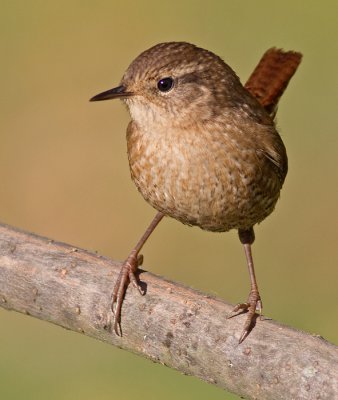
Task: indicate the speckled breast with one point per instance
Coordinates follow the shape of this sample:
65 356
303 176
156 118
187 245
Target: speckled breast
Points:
201 178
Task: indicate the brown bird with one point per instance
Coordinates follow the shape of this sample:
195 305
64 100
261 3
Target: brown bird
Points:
202 148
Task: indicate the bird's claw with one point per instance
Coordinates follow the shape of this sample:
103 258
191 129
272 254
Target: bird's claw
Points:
253 304
127 275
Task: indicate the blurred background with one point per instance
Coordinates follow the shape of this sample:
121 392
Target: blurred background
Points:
64 174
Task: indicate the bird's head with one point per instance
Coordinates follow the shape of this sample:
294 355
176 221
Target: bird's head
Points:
176 82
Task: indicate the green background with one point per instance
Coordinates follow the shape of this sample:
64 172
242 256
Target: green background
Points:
64 174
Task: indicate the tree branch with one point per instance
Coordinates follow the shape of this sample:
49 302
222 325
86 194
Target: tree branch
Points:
173 325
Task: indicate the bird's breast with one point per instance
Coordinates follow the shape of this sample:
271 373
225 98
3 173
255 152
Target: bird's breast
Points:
202 179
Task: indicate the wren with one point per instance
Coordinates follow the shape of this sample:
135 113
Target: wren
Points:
202 149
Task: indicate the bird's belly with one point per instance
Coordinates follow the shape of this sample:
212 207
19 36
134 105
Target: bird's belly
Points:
216 194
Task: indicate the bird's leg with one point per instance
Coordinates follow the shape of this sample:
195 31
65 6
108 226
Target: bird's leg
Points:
254 302
128 274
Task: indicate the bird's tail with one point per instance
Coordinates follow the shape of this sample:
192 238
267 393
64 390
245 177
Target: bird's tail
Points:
272 76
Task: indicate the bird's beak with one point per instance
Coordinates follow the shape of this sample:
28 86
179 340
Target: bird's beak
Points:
116 93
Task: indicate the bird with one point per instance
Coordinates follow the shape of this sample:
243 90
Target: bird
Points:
202 148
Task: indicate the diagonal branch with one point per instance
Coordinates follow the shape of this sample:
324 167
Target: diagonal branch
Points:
173 325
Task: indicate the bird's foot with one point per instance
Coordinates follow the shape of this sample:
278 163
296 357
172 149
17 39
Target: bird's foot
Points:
127 275
253 304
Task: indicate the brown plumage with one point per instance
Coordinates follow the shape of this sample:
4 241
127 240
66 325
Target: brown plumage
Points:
271 77
202 149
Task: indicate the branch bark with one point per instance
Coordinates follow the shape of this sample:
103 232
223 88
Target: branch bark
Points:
173 325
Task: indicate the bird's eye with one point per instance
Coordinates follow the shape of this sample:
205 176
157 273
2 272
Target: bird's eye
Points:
165 84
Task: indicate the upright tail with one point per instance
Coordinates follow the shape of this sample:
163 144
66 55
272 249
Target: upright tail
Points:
272 76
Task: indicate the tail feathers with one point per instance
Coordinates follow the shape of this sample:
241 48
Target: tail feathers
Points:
272 76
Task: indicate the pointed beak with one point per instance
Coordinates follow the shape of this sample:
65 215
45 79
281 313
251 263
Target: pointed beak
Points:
116 93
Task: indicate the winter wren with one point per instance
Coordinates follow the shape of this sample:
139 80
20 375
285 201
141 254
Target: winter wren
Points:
201 149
